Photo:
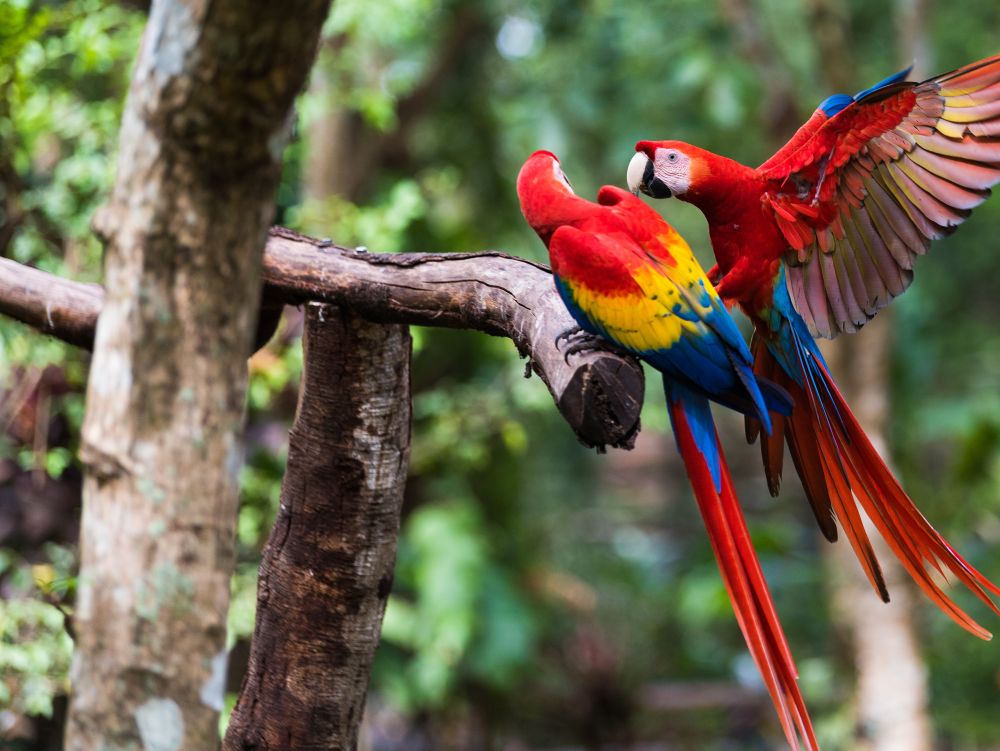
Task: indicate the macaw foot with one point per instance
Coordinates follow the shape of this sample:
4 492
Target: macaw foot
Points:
568 334
585 343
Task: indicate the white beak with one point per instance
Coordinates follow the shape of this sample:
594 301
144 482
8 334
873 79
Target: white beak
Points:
636 169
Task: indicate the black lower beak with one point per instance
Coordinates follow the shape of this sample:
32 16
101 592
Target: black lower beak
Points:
651 185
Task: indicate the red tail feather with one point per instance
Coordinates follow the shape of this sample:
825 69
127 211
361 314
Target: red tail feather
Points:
805 455
851 472
745 584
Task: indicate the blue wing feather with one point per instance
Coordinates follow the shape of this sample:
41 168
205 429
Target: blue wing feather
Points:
698 415
837 102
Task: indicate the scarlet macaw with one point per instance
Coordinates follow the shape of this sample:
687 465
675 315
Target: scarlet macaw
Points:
814 242
626 275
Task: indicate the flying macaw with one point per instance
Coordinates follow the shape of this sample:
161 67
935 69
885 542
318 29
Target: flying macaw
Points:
627 276
814 242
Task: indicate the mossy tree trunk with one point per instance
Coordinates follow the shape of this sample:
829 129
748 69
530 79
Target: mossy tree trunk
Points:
200 150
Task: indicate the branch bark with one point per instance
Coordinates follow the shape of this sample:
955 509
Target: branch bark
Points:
202 133
599 393
65 309
328 565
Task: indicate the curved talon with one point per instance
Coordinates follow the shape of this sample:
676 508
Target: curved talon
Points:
567 334
589 343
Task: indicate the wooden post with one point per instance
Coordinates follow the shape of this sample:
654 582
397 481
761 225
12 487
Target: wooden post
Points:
328 564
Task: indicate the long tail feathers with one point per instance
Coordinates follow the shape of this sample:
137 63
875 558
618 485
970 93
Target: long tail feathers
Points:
841 472
742 575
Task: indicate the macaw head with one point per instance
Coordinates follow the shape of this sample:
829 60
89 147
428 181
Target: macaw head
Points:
542 187
661 169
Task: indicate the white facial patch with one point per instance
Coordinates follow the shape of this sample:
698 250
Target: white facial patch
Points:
673 169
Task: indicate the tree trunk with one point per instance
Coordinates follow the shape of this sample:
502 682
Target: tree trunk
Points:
327 568
892 694
891 698
202 134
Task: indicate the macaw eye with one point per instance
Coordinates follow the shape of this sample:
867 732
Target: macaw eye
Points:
672 156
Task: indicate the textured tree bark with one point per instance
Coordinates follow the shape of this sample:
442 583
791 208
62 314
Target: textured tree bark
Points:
599 393
327 567
200 149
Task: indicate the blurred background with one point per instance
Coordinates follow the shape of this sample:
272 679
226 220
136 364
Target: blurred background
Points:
546 597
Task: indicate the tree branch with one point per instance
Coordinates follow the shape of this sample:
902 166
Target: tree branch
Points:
65 309
599 393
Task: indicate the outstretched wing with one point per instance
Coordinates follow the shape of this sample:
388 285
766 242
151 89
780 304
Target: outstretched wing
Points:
859 195
828 108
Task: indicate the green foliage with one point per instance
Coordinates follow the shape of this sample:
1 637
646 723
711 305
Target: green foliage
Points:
34 646
460 614
381 224
448 581
376 53
34 656
63 71
63 74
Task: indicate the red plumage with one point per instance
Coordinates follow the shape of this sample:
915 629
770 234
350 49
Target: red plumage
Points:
856 196
817 240
841 471
626 274
744 581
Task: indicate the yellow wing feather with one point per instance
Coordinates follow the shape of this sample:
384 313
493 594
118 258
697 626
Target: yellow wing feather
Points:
667 301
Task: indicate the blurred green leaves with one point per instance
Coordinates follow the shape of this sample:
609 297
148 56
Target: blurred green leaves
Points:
446 558
380 225
63 76
63 71
377 53
464 618
35 648
34 656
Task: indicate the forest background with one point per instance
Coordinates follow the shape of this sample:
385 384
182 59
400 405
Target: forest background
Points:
576 602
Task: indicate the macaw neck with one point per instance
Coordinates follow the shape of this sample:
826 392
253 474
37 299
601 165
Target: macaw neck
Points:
729 195
724 190
553 208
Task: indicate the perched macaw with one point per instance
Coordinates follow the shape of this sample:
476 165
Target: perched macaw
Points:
814 242
626 275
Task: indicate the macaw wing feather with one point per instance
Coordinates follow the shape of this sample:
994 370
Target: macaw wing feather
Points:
640 304
784 159
859 195
667 252
658 303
